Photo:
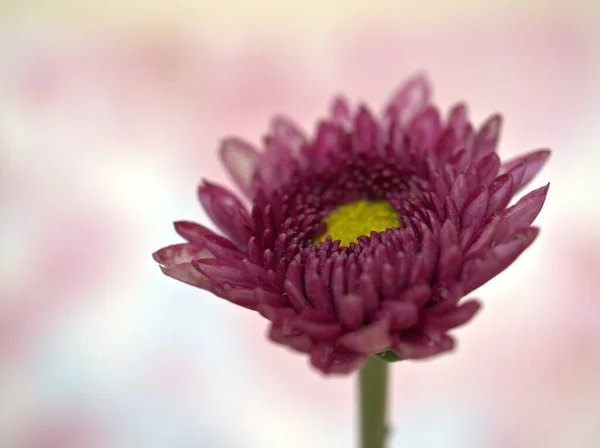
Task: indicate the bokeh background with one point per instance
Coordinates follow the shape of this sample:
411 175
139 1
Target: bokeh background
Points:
110 114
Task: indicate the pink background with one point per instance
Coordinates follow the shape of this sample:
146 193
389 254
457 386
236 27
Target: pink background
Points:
109 120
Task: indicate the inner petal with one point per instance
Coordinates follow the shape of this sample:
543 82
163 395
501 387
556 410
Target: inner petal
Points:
349 221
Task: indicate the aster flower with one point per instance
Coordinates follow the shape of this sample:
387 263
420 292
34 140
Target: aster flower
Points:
364 238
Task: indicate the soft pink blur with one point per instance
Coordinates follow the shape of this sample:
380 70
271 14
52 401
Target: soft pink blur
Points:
104 137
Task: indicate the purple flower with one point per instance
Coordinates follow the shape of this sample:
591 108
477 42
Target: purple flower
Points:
363 239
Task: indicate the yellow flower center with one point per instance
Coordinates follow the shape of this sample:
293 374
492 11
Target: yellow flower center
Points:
349 221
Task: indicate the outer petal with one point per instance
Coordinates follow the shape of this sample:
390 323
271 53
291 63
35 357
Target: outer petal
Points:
175 261
522 214
226 211
240 159
530 164
410 99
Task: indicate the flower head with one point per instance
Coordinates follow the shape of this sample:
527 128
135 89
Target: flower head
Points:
363 239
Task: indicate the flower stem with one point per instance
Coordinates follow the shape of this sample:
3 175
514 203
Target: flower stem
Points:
373 379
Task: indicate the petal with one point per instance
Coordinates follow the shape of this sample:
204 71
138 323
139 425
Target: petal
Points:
422 347
487 168
320 331
175 262
226 211
180 253
427 127
402 314
299 342
459 191
371 339
522 214
288 134
340 112
457 316
328 359
351 311
366 130
410 99
193 232
475 209
222 272
530 164
458 120
476 272
240 159
487 137
501 191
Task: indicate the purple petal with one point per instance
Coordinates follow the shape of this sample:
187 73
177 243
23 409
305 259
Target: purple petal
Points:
456 317
487 168
530 164
180 253
351 311
288 134
366 130
475 209
522 214
427 127
296 298
423 347
371 339
458 120
410 99
485 238
487 137
419 295
328 359
240 159
226 211
476 272
223 272
299 342
402 314
192 232
175 261
501 190
321 331
459 191
449 264
340 112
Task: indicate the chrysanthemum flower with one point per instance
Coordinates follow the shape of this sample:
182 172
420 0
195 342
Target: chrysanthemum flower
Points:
364 238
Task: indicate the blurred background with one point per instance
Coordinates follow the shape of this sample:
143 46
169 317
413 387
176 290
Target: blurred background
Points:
110 114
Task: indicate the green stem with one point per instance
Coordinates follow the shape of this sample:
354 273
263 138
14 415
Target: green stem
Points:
373 379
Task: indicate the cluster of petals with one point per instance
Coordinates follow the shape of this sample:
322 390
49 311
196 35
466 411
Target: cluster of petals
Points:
396 292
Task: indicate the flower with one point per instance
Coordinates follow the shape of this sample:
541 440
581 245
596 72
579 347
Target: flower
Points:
364 239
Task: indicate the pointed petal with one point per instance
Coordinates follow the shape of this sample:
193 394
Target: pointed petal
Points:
423 347
476 272
288 134
351 311
475 209
427 128
366 130
240 159
226 211
530 164
410 99
522 214
371 339
457 316
458 120
340 112
193 232
223 272
175 262
487 137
